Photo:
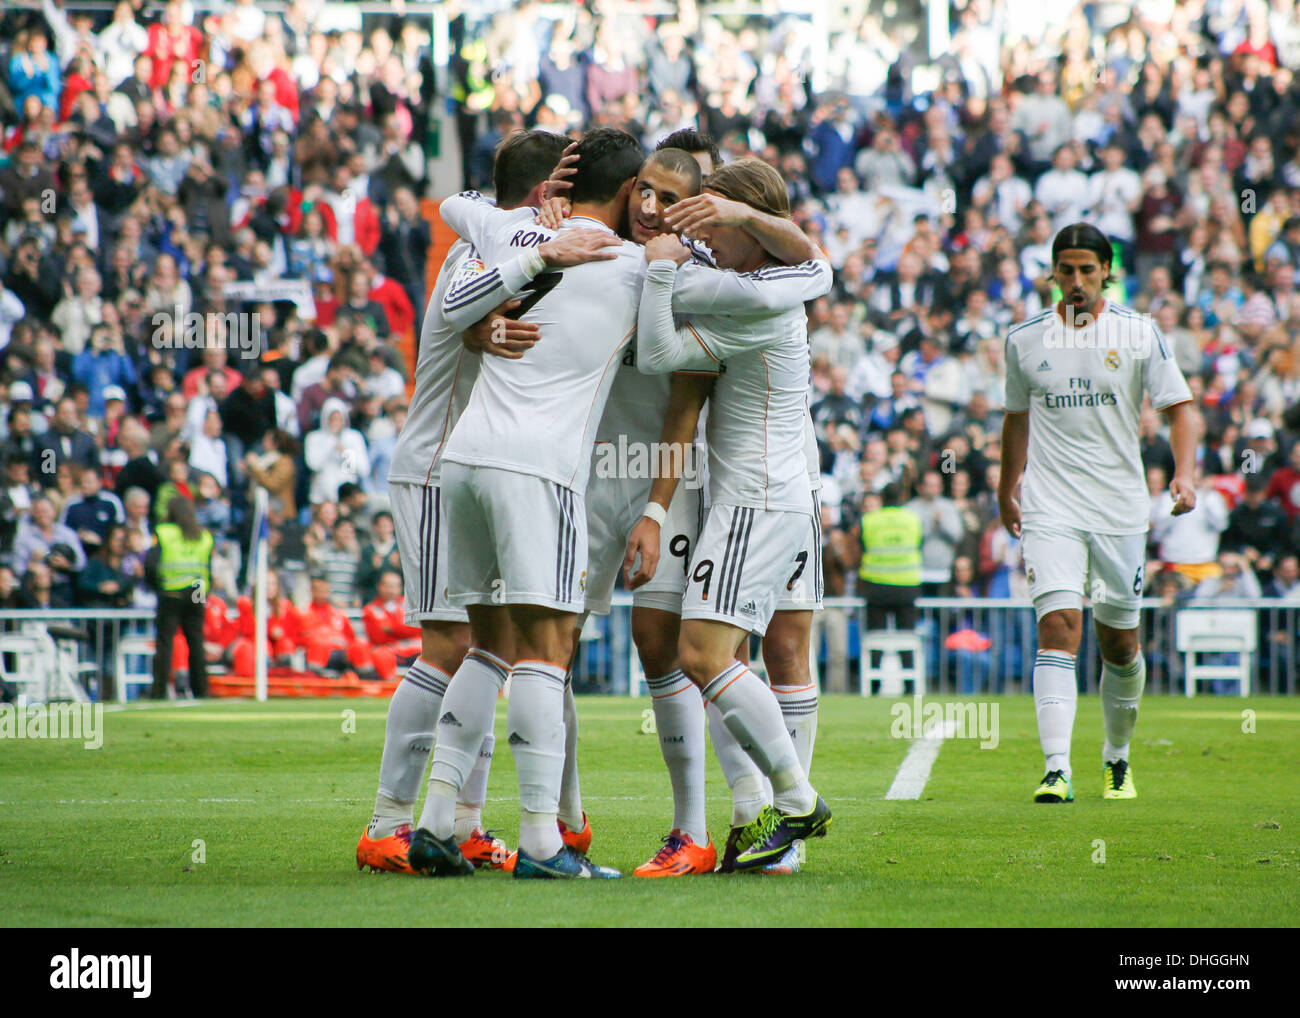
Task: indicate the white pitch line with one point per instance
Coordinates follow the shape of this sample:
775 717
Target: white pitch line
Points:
914 771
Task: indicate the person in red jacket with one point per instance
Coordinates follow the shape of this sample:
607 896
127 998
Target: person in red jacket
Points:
332 643
169 41
283 631
385 619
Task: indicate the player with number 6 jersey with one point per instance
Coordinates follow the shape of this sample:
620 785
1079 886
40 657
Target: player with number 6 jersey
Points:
1077 375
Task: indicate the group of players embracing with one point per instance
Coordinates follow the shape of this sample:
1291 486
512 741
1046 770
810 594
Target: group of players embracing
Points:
664 311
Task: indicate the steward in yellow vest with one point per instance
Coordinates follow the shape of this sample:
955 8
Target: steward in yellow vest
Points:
179 565
890 572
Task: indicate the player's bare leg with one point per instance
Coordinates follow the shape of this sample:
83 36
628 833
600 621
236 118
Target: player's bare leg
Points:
1123 677
468 713
1056 698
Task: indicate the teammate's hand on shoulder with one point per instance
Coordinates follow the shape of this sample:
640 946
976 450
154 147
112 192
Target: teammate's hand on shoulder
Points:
643 542
500 336
667 247
689 214
1009 510
574 247
553 212
1184 496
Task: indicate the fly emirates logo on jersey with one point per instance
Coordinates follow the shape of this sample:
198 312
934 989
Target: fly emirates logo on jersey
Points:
1080 394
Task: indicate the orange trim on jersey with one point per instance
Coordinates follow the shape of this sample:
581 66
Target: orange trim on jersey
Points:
692 331
1170 406
612 357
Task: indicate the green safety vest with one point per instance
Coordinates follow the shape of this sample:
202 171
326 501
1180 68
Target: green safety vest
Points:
182 564
891 547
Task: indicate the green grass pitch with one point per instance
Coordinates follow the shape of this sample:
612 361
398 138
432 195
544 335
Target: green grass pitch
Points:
239 814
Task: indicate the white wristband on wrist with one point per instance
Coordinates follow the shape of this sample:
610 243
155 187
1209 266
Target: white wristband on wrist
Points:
655 512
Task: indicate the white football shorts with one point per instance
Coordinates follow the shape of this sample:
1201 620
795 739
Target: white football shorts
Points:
420 520
614 505
1063 565
746 560
803 592
514 538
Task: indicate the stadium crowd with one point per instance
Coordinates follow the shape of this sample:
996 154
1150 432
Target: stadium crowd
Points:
163 168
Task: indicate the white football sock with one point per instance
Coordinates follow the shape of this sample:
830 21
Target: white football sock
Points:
408 741
750 712
469 709
469 807
679 719
570 790
799 708
1055 698
1121 692
746 781
535 721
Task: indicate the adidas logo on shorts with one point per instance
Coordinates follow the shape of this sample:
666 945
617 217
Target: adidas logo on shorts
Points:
518 740
749 608
450 719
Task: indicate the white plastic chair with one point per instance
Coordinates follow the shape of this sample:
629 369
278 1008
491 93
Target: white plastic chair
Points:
132 647
891 673
1217 631
34 663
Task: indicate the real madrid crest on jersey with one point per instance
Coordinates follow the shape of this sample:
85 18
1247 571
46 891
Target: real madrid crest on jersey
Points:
1112 360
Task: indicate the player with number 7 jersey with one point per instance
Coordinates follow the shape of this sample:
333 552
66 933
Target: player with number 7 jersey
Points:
761 514
514 477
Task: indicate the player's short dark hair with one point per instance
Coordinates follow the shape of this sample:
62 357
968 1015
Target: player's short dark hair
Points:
523 161
674 160
692 142
1082 237
606 158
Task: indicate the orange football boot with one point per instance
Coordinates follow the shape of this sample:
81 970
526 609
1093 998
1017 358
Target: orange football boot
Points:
579 841
680 857
483 848
385 854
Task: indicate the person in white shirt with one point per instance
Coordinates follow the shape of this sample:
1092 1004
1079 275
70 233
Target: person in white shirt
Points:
1076 378
1114 196
335 453
1063 190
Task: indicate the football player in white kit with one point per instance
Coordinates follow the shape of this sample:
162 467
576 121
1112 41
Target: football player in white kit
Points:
444 375
1076 378
651 415
761 513
514 477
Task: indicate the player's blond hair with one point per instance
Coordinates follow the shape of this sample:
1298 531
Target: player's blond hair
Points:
751 182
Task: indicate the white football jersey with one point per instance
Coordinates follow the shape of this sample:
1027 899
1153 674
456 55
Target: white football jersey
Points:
444 376
758 413
1082 389
538 415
